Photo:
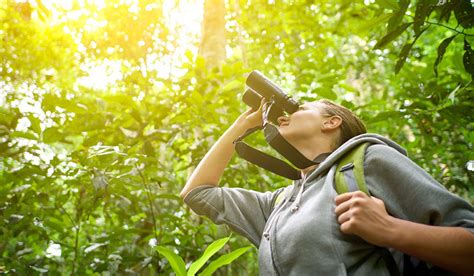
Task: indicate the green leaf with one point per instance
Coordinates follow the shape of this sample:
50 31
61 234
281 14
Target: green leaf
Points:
136 115
441 50
197 98
52 135
189 55
384 116
93 247
445 11
14 218
388 4
43 8
176 262
55 224
452 95
200 63
464 12
327 93
169 196
149 150
233 85
468 58
27 135
392 35
208 253
423 10
39 269
405 51
372 23
397 16
224 260
35 124
129 133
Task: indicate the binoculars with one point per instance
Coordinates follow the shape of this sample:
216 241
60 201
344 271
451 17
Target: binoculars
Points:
259 86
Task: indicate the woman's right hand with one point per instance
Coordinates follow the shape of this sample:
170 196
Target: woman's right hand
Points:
252 118
210 169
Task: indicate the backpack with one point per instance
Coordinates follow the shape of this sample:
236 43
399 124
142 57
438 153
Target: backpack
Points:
349 177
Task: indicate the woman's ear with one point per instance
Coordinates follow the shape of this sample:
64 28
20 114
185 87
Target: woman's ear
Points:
332 123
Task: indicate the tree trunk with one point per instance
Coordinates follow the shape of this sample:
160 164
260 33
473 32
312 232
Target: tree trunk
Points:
213 40
24 9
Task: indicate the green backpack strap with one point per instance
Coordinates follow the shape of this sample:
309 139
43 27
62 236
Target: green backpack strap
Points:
349 174
350 178
350 171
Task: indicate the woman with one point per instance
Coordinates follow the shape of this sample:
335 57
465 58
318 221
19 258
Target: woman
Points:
314 231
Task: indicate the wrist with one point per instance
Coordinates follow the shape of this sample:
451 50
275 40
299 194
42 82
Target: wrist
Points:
394 232
240 126
236 130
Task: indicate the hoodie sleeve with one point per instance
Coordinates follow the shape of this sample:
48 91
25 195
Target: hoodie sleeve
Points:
244 211
412 194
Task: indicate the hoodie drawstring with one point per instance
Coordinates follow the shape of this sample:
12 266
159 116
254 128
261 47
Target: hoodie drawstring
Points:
296 204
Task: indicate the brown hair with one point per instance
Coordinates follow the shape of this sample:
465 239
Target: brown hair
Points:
351 124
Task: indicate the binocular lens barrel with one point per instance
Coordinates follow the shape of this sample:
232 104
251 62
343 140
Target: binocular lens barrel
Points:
259 84
252 98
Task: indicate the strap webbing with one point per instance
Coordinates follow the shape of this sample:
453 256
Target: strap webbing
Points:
271 163
266 161
350 171
284 148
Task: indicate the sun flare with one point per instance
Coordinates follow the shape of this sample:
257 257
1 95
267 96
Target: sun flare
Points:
182 19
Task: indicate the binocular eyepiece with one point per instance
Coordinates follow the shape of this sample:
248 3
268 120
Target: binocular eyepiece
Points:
260 86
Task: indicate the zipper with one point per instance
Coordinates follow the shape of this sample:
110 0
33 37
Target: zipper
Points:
271 242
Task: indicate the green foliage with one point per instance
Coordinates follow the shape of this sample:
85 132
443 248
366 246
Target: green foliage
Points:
421 21
179 266
97 138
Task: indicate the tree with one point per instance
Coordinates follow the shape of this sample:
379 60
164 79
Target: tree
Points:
213 38
90 173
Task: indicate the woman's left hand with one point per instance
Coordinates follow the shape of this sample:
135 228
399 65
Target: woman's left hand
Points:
364 216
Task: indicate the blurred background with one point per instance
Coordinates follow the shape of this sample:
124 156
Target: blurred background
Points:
107 106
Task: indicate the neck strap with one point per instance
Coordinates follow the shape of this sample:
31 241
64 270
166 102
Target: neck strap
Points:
273 164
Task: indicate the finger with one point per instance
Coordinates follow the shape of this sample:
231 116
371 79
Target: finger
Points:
249 111
262 103
343 197
347 227
344 217
342 207
346 196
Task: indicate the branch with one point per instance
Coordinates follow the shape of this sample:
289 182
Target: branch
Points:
67 214
148 193
76 248
445 26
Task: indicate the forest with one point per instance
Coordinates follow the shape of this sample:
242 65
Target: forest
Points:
106 107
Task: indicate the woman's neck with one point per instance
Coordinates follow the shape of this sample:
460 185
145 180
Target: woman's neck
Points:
311 150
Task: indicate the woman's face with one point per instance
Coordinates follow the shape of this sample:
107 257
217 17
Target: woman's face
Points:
304 123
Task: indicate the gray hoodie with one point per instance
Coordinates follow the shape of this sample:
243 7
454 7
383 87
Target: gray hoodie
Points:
301 236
